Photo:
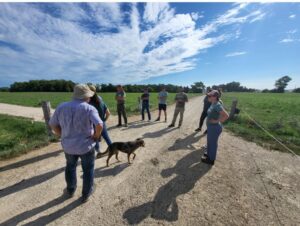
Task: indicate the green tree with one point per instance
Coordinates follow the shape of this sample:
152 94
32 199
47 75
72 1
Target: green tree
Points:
282 83
297 90
197 87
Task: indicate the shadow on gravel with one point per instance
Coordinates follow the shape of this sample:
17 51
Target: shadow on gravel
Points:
188 171
129 124
139 124
27 183
187 142
107 171
159 133
31 160
47 218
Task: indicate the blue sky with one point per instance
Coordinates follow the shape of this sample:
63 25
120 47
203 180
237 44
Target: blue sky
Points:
177 43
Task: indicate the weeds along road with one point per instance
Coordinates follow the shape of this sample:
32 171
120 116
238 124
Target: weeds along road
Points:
167 184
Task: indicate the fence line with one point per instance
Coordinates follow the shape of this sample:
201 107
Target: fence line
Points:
268 133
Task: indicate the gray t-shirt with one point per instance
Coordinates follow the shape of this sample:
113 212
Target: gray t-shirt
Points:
181 99
163 95
121 94
213 112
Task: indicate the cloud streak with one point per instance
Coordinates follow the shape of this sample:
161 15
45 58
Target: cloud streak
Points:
107 42
233 54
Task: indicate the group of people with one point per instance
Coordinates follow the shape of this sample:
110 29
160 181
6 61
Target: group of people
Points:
82 122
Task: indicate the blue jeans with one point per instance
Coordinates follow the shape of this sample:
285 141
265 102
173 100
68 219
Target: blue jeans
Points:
213 133
105 136
87 164
146 107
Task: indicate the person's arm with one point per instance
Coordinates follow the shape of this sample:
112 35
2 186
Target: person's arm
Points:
95 119
107 114
224 116
56 129
98 131
54 123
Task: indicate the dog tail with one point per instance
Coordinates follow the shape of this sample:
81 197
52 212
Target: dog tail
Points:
100 155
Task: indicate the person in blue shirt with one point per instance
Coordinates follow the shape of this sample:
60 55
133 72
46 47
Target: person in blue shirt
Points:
162 103
145 104
216 115
104 114
79 126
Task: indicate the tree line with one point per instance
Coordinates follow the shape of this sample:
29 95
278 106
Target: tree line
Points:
198 87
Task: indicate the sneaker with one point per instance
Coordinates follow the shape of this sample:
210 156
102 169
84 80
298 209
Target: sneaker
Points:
85 198
69 194
198 129
207 160
172 125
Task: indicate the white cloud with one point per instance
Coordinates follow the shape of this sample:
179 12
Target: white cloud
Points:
233 54
154 43
293 16
196 16
294 31
287 40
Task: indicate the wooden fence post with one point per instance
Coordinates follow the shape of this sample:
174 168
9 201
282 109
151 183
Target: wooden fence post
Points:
233 108
47 114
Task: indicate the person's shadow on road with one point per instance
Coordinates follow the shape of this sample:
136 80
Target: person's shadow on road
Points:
189 170
187 142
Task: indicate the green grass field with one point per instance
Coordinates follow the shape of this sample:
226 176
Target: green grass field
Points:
18 135
34 99
278 113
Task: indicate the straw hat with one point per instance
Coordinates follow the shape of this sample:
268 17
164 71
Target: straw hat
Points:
82 91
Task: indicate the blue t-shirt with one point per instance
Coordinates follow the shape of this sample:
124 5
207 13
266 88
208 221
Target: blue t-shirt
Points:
163 95
213 112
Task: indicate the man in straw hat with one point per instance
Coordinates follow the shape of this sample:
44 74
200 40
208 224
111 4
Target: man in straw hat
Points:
79 126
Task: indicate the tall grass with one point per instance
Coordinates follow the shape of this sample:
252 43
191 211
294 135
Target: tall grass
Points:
18 135
278 113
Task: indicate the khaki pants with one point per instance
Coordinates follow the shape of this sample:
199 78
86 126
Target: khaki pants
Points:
176 112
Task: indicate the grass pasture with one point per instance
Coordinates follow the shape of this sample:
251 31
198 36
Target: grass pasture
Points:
277 113
33 99
18 135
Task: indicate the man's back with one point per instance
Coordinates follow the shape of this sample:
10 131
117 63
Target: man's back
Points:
76 119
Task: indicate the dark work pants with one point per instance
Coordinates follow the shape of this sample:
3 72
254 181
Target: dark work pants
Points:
202 118
121 112
146 107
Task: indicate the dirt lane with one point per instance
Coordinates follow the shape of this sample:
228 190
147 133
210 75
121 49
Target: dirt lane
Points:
166 185
28 112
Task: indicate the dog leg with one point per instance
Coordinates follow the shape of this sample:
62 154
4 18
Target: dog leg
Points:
134 155
128 157
107 161
117 153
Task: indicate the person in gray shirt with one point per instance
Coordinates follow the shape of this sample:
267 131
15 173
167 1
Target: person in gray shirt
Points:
162 103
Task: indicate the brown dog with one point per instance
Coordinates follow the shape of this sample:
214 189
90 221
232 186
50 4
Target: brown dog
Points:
126 147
